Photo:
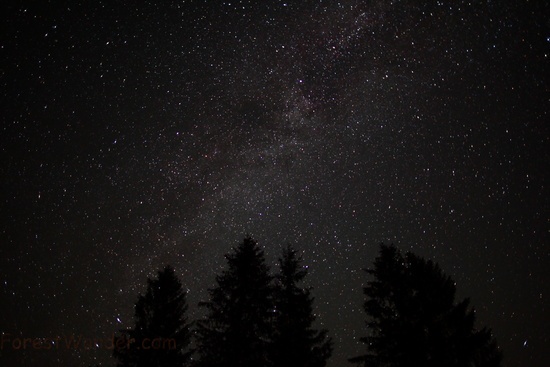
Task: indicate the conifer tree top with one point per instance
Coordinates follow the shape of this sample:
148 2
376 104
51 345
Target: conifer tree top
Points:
412 317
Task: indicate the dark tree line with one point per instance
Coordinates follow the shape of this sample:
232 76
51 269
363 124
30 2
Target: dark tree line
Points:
413 319
253 319
296 343
161 335
237 329
257 319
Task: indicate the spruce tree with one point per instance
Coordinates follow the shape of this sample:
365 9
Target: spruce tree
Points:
295 342
161 335
236 330
413 319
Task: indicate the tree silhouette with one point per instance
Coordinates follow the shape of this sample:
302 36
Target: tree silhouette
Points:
161 335
295 343
413 319
236 330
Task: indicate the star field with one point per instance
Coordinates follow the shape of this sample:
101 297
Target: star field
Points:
136 135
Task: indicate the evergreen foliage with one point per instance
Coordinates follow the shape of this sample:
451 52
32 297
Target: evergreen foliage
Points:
413 319
161 335
295 343
237 329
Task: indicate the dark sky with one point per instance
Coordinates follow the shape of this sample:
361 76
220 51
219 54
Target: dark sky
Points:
137 134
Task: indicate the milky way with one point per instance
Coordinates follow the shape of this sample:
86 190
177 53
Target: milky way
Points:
136 135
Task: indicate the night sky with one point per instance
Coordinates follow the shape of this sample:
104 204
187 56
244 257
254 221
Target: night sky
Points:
137 134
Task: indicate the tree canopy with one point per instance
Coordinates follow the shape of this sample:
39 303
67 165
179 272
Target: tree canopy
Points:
161 335
237 328
296 343
255 319
413 319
